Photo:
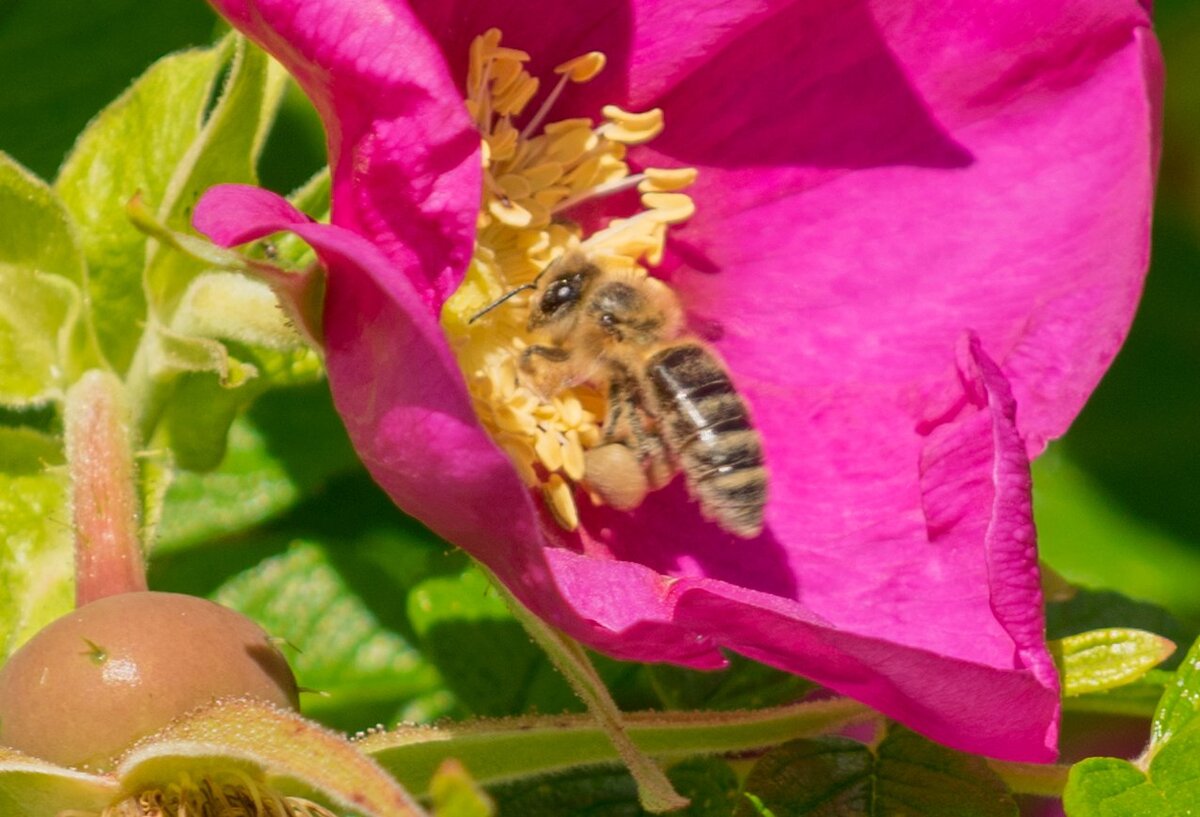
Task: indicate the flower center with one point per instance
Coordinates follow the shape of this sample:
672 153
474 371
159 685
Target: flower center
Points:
534 173
233 795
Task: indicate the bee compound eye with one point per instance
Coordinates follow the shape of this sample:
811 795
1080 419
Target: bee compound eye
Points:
559 294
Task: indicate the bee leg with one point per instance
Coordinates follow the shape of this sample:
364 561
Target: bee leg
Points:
627 425
544 368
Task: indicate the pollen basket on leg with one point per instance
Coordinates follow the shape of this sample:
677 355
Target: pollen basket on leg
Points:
544 412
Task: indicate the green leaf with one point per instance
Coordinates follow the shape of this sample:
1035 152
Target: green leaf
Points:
231 307
603 792
1108 787
905 775
36 554
290 444
343 650
226 150
33 788
454 793
486 657
1138 699
1180 701
1103 659
709 783
197 420
45 239
1101 609
39 334
745 684
135 144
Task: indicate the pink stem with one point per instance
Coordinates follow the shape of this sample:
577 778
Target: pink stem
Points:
104 496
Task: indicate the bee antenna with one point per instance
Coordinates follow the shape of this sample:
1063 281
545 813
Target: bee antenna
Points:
501 300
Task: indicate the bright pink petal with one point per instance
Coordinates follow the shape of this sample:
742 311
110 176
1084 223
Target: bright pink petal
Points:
404 154
930 174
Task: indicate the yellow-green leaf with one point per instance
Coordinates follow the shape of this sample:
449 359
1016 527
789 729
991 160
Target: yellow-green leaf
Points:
1103 659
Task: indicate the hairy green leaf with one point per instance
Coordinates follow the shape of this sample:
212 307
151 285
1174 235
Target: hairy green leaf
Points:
38 233
36 545
33 788
39 330
134 145
225 150
1180 701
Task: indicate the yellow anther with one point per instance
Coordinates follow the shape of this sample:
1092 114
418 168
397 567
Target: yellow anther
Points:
549 451
551 196
632 128
561 502
543 175
502 144
661 180
510 213
572 456
571 410
670 208
584 67
515 186
571 145
517 97
565 125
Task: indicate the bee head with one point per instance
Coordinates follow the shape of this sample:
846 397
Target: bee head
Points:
560 294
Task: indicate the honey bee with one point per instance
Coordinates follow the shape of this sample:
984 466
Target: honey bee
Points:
671 404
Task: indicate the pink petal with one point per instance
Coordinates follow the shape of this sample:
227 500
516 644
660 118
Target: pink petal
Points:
404 153
420 439
879 183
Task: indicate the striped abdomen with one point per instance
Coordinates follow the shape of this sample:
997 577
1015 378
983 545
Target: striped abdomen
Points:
707 427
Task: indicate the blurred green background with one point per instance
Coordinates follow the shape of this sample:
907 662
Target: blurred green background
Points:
1116 499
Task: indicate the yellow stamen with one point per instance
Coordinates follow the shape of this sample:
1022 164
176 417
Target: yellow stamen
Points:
584 67
533 175
632 128
657 180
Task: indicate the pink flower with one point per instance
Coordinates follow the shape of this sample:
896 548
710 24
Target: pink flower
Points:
919 240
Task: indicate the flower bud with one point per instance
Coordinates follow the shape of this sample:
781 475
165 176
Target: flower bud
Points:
93 682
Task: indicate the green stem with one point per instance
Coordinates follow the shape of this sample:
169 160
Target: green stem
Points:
147 389
655 791
507 749
1041 780
104 496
